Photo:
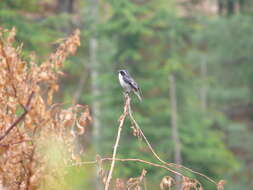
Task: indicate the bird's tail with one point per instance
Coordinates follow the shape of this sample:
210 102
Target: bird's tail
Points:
138 94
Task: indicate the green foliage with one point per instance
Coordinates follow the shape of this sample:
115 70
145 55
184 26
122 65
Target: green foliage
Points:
18 5
34 35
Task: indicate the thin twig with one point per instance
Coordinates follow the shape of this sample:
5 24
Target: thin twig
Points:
142 134
20 118
129 160
156 155
18 142
142 161
192 171
121 120
83 163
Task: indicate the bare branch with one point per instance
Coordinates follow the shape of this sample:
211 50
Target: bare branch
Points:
156 155
121 120
142 161
19 119
129 160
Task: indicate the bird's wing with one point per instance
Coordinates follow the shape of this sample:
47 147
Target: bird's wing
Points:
129 80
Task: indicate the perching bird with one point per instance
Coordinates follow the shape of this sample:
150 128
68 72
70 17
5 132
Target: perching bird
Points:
128 83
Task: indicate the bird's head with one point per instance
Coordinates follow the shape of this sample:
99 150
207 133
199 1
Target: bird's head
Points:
122 72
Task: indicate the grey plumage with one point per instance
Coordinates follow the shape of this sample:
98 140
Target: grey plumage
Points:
128 83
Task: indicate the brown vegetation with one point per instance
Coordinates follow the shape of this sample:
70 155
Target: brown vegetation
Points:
28 117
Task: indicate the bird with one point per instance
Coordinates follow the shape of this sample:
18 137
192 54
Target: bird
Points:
128 83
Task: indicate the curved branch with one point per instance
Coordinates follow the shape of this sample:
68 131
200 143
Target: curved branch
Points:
156 155
142 161
129 160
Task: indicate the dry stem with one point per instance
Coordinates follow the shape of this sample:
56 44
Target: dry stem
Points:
143 161
20 118
129 160
121 122
128 111
156 155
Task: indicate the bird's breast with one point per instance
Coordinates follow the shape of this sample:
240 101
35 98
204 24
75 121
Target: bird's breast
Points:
123 83
121 80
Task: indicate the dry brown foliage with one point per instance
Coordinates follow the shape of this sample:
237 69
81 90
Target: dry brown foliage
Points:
220 184
120 184
29 121
167 182
135 183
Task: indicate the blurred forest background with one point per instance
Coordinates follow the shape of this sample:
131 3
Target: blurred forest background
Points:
192 59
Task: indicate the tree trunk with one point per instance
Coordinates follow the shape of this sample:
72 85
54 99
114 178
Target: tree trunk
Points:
65 6
175 137
95 91
221 6
79 88
230 7
94 71
242 5
96 103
